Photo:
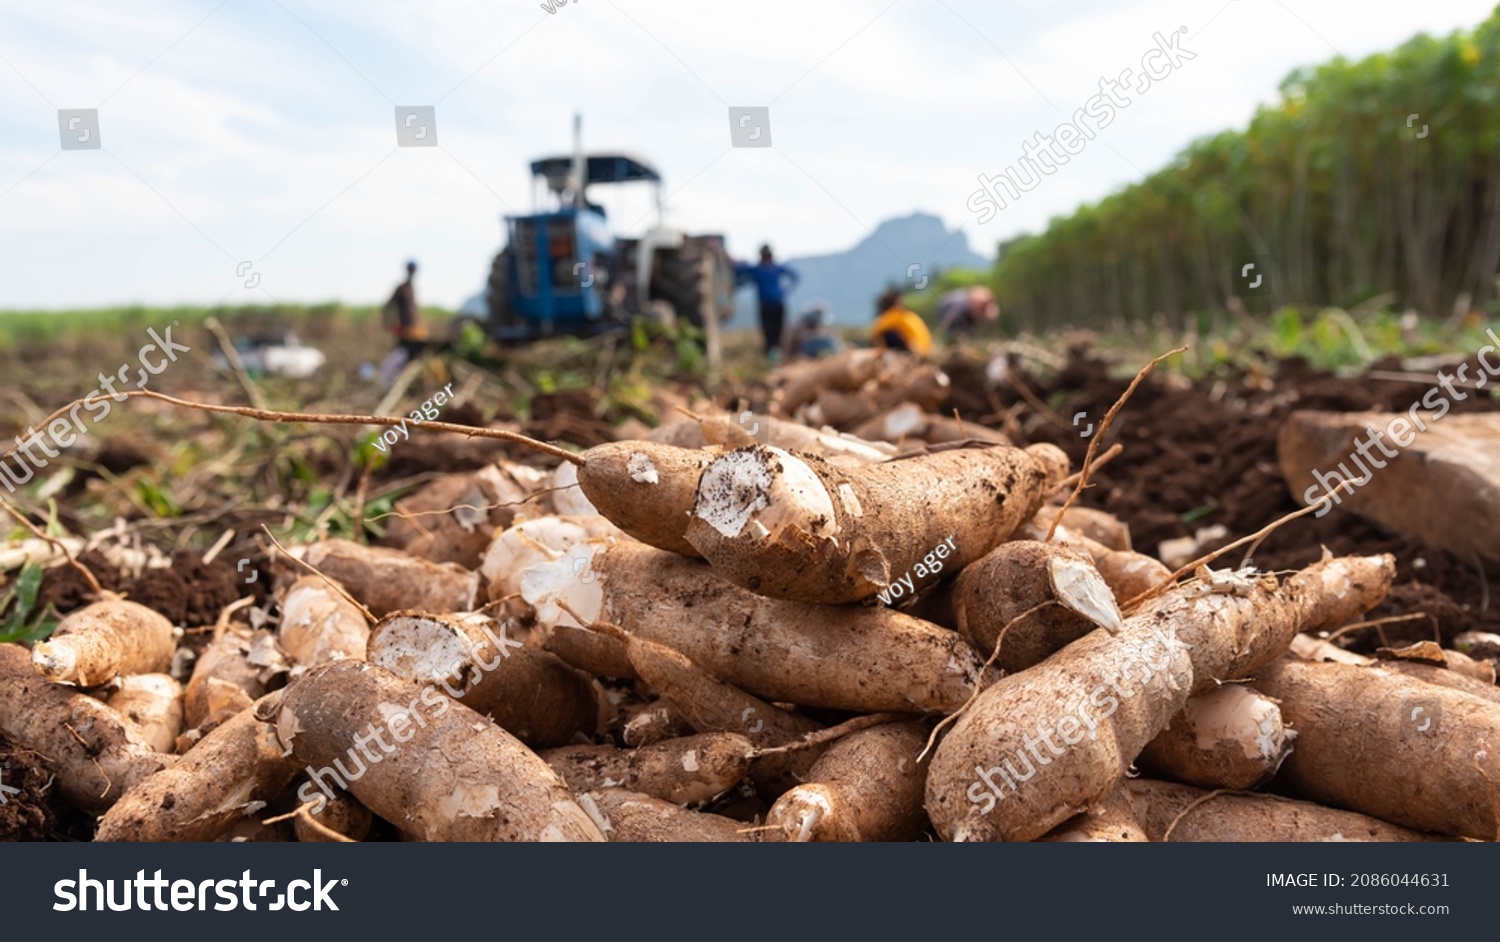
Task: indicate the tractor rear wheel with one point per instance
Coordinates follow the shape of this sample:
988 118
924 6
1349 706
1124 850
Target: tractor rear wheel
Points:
683 281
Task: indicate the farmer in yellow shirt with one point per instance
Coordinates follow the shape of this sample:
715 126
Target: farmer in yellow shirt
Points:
897 328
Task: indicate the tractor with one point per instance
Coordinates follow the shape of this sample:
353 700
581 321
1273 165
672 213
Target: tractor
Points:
563 272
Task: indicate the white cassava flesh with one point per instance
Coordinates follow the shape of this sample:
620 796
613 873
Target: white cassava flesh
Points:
1228 737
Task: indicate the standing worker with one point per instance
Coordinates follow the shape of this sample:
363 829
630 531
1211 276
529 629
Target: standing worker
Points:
897 328
771 288
404 319
961 312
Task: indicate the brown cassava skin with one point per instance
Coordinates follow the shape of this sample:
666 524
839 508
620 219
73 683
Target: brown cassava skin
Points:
533 695
858 658
222 669
631 817
654 722
319 625
1460 663
230 774
1228 636
1013 579
340 814
923 385
1129 574
386 580
1445 677
687 771
618 479
586 650
1197 749
91 773
837 448
845 372
683 433
1111 821
1429 662
865 787
942 429
840 409
452 519
1313 649
153 702
709 705
455 777
1126 572
1103 528
1360 747
105 640
1250 818
847 533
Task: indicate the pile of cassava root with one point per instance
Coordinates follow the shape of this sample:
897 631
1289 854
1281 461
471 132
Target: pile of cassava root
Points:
768 631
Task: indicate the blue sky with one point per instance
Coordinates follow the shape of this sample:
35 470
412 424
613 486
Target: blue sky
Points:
263 131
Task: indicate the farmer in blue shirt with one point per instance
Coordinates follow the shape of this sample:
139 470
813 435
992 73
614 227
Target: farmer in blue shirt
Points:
770 289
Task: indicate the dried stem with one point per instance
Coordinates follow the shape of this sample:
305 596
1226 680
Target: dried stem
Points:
821 736
267 415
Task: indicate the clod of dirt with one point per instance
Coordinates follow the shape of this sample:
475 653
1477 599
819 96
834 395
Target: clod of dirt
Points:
25 785
191 594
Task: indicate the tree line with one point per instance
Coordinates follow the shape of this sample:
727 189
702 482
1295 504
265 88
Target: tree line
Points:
1381 175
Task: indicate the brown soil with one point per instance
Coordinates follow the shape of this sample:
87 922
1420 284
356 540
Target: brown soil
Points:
188 593
25 814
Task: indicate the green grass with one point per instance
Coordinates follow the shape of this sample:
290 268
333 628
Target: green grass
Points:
23 326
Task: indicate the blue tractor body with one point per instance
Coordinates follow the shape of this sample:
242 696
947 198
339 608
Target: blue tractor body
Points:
551 257
563 272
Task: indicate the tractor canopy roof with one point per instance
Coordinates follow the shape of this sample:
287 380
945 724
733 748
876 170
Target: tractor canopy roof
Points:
602 168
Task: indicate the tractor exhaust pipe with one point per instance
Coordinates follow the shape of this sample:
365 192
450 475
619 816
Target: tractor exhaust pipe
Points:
580 170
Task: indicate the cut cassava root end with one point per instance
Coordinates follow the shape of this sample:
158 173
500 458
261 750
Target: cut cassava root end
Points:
105 640
530 693
1022 576
1228 737
798 528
